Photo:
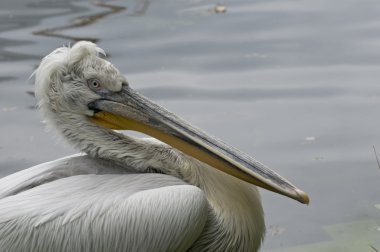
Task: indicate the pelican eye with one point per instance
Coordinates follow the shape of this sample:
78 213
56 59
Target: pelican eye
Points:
93 84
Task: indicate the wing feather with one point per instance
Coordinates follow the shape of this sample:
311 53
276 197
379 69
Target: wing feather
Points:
99 212
64 167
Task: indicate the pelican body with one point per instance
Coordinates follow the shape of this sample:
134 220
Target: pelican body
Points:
182 190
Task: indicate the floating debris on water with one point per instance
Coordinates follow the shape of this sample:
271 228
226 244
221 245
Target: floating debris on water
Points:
310 138
203 10
9 109
220 8
255 56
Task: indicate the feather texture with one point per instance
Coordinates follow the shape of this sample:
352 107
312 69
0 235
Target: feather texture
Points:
107 212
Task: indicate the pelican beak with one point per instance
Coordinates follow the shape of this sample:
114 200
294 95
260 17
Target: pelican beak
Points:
128 110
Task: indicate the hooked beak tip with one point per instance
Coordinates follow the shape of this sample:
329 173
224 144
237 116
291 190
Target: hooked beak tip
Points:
302 197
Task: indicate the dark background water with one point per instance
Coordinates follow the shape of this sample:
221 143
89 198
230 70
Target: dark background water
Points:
294 83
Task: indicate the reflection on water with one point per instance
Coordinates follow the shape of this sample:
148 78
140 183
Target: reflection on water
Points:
81 22
264 76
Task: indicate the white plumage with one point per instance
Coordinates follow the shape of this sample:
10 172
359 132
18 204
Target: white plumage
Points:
128 194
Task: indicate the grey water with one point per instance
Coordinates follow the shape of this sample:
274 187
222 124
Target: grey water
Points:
295 83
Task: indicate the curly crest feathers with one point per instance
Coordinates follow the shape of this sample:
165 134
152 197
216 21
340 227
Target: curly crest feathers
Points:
55 66
83 49
58 63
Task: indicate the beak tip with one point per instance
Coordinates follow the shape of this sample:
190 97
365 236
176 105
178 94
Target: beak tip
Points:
303 197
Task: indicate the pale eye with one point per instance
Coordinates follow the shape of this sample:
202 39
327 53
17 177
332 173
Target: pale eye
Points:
93 84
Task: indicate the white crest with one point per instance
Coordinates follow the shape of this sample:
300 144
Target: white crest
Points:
57 63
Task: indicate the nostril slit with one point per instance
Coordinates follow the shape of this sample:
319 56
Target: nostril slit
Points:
92 107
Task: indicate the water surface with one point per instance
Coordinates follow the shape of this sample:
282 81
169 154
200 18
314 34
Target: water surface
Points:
293 83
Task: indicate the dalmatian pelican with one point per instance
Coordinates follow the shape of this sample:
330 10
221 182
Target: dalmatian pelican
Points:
183 190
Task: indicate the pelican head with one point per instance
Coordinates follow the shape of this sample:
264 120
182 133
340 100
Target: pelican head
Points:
78 90
68 79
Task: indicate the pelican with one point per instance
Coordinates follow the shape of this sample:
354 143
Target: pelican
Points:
183 190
